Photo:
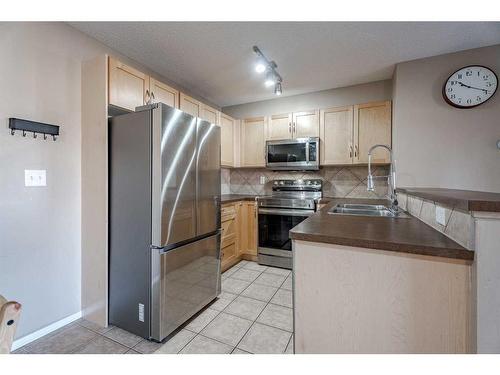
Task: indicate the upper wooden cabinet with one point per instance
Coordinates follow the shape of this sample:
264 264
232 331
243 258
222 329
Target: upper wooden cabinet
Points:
190 105
227 125
305 124
372 125
280 127
162 93
293 125
253 132
127 86
347 133
336 136
210 114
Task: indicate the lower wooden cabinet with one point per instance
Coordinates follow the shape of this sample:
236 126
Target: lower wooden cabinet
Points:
248 230
239 233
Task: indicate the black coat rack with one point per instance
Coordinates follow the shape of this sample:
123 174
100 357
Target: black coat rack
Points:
33 127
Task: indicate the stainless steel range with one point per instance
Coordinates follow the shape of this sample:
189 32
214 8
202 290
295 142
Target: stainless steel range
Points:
291 202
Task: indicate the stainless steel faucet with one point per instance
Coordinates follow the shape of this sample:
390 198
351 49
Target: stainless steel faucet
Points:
391 178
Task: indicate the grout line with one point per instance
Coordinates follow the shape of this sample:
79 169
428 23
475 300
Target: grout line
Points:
449 219
189 341
291 337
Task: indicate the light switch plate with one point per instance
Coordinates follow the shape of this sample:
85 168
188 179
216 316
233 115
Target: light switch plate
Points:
35 177
441 215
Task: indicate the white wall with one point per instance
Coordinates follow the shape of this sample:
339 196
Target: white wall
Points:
437 145
40 228
369 92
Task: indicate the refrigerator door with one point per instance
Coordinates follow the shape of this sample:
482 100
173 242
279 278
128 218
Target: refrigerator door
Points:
174 176
189 279
208 185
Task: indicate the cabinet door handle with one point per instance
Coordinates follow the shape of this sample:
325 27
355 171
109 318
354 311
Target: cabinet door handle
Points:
147 97
294 128
152 97
356 151
290 127
350 151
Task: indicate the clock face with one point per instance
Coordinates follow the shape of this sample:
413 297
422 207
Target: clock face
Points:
470 86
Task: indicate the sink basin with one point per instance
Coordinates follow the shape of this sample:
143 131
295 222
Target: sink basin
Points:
366 210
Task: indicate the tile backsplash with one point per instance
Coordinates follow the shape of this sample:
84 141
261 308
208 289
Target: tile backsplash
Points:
459 225
338 182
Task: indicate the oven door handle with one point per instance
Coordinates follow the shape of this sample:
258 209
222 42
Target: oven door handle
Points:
285 212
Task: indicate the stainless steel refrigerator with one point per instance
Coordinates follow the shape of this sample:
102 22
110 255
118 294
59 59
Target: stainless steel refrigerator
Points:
164 219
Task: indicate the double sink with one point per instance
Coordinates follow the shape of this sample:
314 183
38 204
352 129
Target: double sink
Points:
377 210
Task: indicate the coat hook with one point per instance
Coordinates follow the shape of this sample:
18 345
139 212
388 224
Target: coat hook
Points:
34 135
24 133
44 136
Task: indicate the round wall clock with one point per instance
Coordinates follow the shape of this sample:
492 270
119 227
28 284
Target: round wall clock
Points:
470 86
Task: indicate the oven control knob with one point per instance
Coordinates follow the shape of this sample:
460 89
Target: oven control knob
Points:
281 182
276 182
308 182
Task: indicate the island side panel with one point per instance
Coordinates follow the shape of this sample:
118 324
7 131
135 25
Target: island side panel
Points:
357 300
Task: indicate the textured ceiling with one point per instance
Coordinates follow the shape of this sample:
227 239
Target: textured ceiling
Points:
215 59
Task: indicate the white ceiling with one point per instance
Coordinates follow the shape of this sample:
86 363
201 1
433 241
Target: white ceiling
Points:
215 59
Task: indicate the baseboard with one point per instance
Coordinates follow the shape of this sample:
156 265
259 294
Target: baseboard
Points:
44 331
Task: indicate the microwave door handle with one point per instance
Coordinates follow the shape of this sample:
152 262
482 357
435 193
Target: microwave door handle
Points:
307 152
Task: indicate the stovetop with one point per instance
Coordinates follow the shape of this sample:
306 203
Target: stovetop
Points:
294 194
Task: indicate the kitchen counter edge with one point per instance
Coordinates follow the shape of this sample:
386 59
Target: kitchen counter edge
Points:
413 237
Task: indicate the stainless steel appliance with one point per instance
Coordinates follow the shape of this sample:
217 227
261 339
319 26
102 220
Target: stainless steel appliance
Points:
164 212
291 202
293 154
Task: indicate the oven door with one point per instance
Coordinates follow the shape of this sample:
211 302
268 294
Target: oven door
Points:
274 225
292 154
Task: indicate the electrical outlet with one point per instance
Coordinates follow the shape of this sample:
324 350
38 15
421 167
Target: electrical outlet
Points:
34 177
441 215
262 180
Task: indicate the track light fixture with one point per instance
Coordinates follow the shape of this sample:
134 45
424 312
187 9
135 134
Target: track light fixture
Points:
269 67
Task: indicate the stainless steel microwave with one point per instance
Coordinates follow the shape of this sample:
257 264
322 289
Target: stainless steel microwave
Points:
293 154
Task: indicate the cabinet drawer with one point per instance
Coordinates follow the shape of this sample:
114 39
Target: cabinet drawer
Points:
227 240
227 209
228 227
228 251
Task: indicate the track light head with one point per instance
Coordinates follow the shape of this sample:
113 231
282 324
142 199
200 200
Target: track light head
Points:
260 67
270 79
278 89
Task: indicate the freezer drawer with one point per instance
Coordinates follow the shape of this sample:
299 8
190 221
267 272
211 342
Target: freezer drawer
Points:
185 279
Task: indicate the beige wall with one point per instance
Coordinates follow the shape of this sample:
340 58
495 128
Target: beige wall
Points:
375 91
40 228
437 145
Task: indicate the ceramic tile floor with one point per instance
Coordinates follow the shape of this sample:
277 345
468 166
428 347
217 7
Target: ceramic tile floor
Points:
253 314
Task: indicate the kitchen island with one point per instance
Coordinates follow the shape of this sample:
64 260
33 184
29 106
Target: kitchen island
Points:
379 285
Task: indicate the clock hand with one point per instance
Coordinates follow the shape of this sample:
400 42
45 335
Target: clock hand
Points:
475 88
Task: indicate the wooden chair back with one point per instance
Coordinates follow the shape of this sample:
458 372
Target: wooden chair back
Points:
9 316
